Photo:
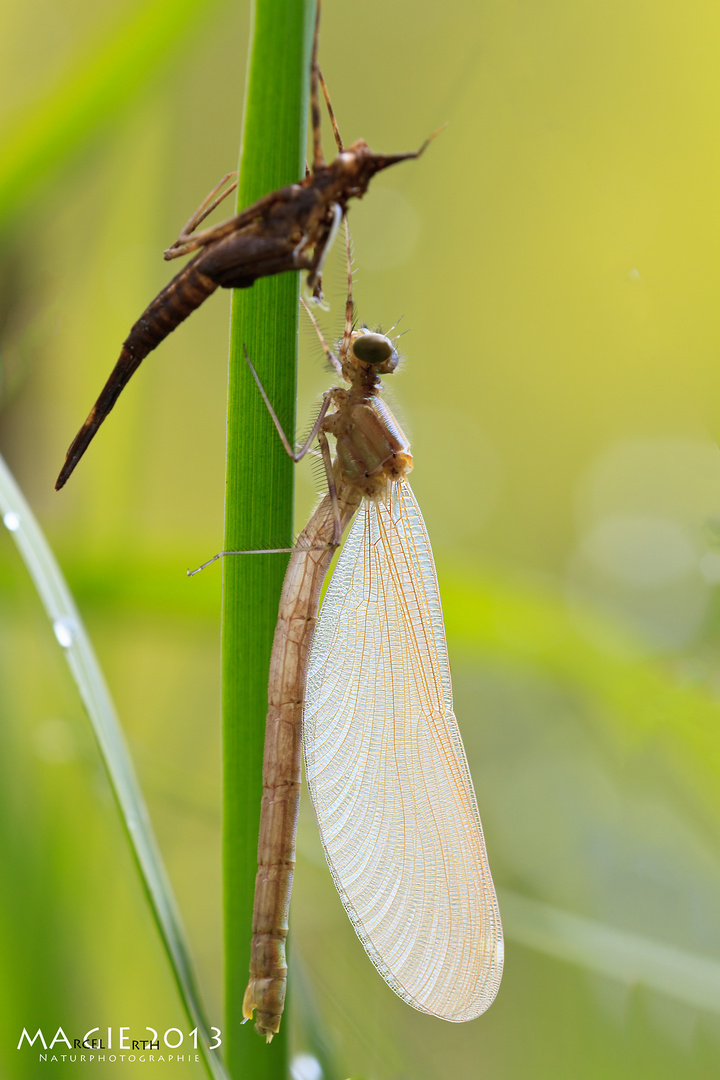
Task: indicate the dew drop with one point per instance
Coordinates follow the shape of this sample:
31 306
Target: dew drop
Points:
305 1067
65 631
11 521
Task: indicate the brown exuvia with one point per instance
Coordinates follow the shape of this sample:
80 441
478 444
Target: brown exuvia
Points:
289 229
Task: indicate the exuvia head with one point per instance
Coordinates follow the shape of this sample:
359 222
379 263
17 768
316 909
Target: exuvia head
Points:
356 165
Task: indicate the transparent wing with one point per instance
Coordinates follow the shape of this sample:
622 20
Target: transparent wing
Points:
388 775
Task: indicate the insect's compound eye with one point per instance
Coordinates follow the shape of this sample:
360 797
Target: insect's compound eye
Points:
373 348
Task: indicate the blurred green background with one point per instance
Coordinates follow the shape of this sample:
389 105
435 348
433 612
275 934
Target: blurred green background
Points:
555 256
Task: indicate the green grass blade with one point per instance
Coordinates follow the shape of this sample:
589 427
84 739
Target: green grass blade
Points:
259 488
71 635
97 85
628 958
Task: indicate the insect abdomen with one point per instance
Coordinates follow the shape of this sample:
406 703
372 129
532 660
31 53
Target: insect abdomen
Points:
178 299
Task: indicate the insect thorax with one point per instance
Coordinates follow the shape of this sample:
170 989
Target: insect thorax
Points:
371 448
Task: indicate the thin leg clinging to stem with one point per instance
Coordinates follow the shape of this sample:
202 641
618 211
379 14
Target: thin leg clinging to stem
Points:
210 202
331 111
225 228
318 159
298 455
204 210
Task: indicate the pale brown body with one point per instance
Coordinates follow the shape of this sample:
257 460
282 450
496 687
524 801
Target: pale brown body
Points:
371 451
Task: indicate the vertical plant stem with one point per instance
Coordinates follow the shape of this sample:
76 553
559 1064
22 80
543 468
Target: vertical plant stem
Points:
259 488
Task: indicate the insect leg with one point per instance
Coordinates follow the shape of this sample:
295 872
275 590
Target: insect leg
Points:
332 488
233 225
299 454
205 208
331 111
260 551
318 159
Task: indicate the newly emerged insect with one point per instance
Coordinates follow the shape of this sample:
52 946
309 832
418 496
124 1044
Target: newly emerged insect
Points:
367 695
287 230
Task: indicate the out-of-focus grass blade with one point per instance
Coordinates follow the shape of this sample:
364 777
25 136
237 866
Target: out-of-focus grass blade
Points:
71 635
627 958
526 625
97 85
305 1009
